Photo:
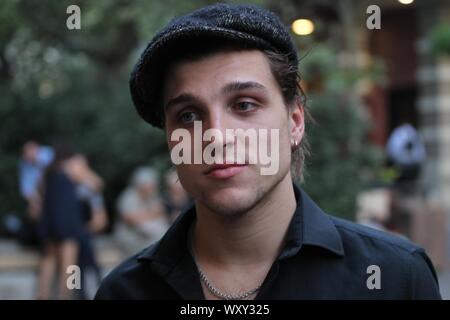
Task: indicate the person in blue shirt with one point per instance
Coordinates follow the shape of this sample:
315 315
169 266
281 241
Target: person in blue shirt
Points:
35 158
406 152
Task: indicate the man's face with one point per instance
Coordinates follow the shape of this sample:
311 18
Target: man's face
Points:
229 90
30 151
146 189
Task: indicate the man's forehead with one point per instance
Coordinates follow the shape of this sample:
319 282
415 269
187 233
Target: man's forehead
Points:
223 71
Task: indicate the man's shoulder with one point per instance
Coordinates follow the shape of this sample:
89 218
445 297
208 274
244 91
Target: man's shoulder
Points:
367 237
134 278
399 260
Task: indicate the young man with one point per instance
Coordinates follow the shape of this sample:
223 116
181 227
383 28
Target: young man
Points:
249 235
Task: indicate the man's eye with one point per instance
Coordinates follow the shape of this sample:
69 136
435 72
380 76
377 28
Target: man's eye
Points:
245 106
188 117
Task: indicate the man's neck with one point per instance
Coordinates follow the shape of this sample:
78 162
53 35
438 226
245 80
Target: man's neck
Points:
255 237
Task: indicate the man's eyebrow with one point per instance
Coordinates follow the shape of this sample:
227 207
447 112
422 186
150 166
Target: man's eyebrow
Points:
181 98
239 86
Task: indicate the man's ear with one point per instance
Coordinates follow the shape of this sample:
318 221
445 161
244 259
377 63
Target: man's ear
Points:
296 122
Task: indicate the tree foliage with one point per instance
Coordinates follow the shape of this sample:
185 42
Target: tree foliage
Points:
342 161
72 85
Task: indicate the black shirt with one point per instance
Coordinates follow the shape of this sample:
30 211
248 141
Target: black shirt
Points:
324 257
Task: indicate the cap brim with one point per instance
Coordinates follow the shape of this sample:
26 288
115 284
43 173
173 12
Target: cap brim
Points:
147 77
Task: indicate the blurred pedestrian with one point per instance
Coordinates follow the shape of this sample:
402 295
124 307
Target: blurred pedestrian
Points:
141 206
89 191
60 225
406 152
35 158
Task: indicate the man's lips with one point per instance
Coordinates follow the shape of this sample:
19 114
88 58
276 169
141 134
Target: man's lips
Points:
223 171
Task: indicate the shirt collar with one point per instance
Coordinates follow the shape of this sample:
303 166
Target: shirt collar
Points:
309 226
171 259
312 227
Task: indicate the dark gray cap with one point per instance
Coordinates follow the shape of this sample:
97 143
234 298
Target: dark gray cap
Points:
246 25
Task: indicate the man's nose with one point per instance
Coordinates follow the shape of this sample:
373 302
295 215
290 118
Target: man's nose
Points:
219 121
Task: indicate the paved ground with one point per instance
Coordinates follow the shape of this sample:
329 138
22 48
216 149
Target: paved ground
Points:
444 283
18 267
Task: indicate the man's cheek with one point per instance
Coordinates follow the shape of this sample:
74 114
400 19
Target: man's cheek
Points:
189 179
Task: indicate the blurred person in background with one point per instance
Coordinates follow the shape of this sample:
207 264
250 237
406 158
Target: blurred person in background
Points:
60 224
175 197
141 207
35 158
33 163
406 152
89 191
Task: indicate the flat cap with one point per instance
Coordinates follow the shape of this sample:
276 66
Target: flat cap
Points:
246 25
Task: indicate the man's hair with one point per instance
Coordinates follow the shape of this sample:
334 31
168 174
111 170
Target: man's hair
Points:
285 73
288 80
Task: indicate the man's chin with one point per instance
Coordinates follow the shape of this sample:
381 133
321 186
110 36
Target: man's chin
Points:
231 201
